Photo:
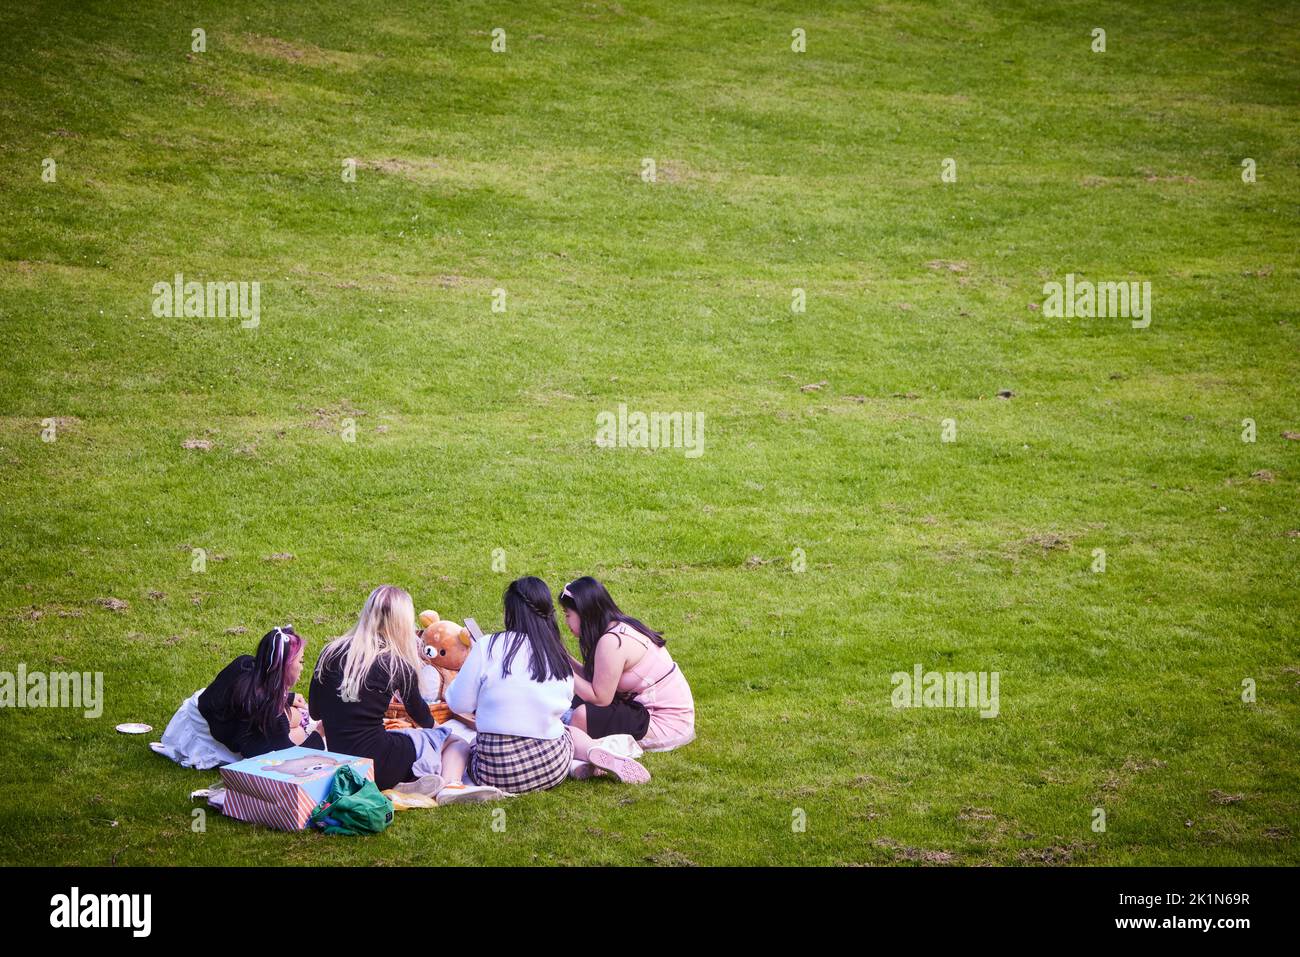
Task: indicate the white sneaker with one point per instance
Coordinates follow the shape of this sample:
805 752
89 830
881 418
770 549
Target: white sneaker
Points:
621 744
582 770
429 785
468 794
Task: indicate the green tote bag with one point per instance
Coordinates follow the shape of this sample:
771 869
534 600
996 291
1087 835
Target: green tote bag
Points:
355 805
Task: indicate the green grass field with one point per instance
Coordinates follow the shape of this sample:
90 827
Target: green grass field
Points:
474 429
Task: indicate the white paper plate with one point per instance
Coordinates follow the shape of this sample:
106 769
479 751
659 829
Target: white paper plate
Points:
134 727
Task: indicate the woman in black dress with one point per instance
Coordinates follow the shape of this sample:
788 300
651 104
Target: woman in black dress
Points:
355 679
249 708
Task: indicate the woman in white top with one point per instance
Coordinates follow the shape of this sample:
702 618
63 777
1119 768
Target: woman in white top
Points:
517 684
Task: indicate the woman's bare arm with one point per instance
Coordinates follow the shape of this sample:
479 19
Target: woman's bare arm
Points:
611 657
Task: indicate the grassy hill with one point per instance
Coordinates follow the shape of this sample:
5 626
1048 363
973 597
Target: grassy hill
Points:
384 423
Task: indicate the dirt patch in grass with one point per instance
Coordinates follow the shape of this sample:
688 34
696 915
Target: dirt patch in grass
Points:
1054 854
395 166
1137 765
1116 779
1153 177
672 171
1041 543
1221 797
918 855
1050 542
16 425
299 52
330 418
670 858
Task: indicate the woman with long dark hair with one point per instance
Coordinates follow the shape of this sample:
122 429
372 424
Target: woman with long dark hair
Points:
250 708
518 683
626 682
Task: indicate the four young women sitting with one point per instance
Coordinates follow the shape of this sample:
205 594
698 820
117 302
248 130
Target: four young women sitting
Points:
525 713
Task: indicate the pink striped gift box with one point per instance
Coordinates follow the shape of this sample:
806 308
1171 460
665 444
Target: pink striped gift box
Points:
282 788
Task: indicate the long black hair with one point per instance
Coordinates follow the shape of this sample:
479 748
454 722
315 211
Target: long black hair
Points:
530 617
596 613
261 692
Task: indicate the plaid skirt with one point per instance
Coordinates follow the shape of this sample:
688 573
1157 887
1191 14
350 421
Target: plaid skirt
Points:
519 765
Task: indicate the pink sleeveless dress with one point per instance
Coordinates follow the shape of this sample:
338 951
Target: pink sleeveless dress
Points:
658 684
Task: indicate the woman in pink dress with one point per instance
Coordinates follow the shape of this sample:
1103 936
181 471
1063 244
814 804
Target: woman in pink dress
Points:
626 683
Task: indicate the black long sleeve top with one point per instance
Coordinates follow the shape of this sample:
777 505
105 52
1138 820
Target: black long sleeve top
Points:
357 727
234 727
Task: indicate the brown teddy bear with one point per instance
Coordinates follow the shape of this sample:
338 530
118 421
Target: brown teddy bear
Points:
444 647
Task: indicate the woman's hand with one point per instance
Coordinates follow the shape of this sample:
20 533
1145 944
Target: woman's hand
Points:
300 702
297 733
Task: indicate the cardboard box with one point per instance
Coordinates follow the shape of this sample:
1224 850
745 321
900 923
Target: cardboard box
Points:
282 788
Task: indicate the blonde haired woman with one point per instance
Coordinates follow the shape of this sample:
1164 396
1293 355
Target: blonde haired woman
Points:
354 681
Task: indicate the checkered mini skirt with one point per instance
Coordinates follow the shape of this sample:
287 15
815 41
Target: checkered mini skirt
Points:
519 765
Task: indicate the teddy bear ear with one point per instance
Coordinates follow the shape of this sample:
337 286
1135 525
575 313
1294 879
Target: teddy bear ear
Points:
464 638
427 618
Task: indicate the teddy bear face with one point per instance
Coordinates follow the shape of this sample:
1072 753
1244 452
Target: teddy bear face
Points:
446 645
303 767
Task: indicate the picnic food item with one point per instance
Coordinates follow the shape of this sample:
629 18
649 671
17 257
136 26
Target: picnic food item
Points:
444 647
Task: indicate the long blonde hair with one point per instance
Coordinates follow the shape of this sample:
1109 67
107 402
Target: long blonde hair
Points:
384 632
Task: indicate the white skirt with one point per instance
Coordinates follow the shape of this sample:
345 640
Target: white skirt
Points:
189 742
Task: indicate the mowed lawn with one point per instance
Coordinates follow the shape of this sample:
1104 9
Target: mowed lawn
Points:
473 430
